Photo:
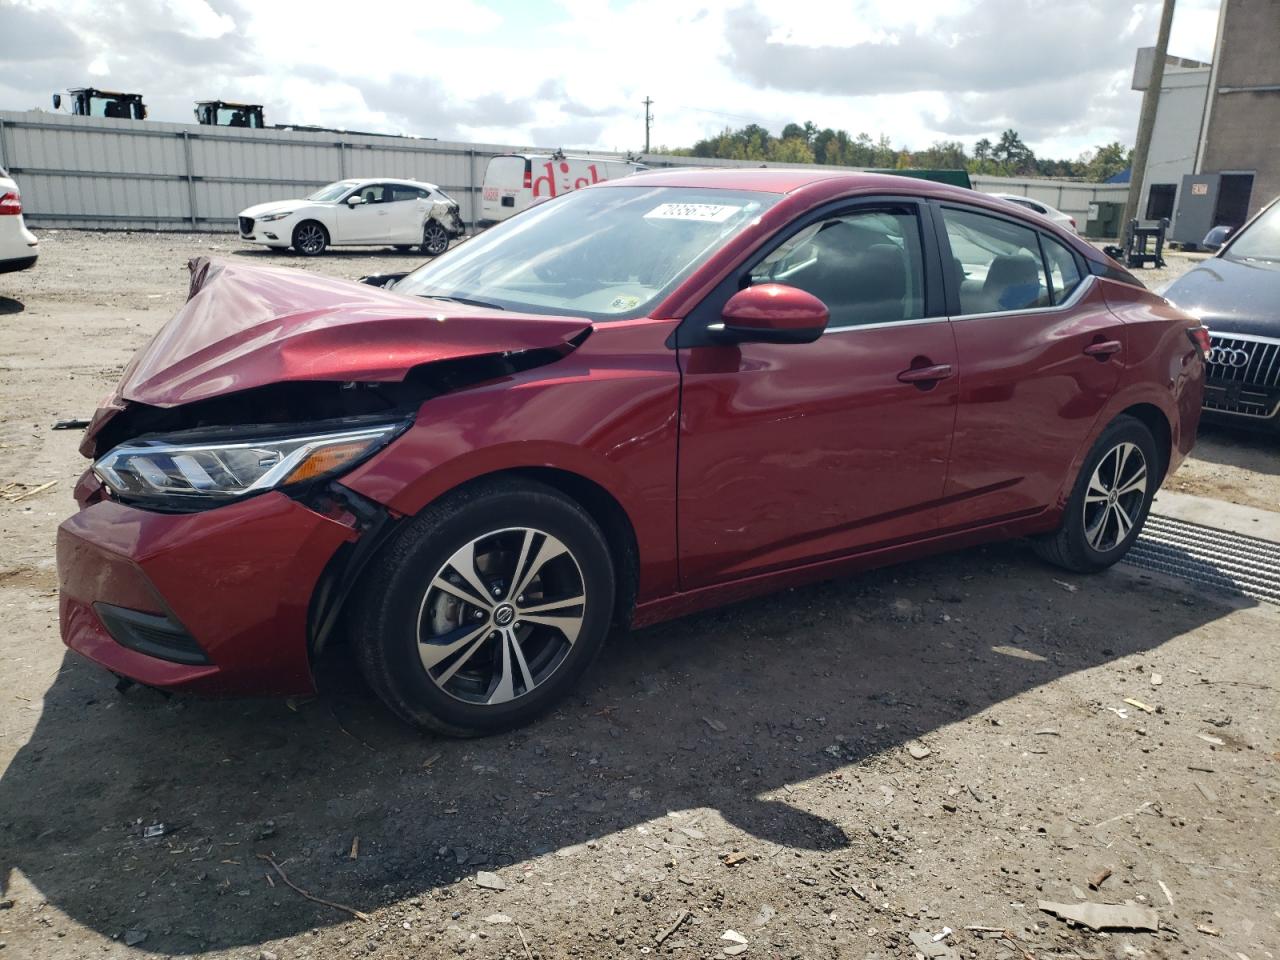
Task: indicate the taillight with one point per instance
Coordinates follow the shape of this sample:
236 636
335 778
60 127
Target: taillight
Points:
1073 222
528 177
1200 337
10 204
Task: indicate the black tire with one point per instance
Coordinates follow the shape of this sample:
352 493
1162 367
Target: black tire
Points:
310 238
1090 538
399 603
435 238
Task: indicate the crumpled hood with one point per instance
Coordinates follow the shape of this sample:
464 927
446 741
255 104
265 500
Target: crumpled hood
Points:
274 206
1231 296
248 326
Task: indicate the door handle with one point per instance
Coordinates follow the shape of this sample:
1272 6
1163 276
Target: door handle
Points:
939 371
1102 349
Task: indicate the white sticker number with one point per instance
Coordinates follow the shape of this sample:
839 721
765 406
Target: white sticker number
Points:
708 212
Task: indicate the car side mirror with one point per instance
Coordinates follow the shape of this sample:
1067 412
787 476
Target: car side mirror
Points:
1216 237
772 313
384 280
355 200
57 101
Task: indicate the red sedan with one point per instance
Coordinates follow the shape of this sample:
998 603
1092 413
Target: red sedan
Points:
642 399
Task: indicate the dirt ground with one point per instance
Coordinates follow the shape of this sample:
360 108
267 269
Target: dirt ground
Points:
846 770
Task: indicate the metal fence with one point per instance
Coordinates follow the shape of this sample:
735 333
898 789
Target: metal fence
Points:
93 172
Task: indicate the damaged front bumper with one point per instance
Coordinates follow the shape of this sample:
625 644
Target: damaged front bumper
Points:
215 602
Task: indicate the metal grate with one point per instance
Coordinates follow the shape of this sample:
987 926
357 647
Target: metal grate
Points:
1229 561
1244 360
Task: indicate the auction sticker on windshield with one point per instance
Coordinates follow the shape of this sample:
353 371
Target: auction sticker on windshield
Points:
709 212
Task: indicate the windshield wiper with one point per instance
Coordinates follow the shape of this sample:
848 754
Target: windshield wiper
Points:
467 300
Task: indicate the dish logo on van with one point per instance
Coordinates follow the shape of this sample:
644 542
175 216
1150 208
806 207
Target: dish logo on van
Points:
545 185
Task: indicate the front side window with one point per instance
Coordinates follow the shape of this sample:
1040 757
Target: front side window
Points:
1064 271
376 193
607 253
996 264
866 266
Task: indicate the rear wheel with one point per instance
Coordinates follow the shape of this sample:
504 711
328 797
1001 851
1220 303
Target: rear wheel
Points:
486 609
310 238
1109 502
435 238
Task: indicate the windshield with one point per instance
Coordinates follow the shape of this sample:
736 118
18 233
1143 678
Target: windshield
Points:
333 191
606 253
1261 241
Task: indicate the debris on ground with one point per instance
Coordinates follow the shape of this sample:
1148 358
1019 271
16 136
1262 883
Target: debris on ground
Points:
497 918
918 750
659 938
1146 707
134 936
1099 878
714 724
490 881
932 948
1104 916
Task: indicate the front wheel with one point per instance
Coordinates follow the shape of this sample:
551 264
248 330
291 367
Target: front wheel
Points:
486 609
310 238
435 239
1109 502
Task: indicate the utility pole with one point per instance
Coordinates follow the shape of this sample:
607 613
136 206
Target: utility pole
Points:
1147 119
648 119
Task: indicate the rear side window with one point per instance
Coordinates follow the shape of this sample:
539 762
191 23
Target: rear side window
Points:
996 265
865 266
1064 270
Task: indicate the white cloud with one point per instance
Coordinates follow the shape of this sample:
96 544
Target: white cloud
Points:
573 72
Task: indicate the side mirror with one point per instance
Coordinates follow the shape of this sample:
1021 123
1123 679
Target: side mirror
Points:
57 101
384 280
772 313
1215 238
355 200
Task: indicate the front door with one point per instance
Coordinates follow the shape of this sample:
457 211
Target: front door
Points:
367 221
1041 356
801 452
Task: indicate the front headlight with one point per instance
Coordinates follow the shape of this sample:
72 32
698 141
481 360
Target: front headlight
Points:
268 217
209 471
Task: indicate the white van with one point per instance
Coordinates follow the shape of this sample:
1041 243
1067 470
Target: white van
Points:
516 181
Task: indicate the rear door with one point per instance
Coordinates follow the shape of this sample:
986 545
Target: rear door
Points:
1039 353
408 211
793 453
504 179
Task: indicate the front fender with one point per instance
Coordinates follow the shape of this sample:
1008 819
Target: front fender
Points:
606 413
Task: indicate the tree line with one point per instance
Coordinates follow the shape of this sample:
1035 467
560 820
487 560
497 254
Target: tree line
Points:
805 143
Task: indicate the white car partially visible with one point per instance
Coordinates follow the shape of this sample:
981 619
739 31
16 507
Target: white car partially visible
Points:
366 212
1057 216
19 247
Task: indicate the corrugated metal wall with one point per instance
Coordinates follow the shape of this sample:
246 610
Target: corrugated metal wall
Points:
106 173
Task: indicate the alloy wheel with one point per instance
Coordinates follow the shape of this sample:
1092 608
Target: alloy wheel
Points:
435 240
310 238
500 615
1113 502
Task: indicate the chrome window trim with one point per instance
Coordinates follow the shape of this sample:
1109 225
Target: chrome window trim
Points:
852 327
1227 335
1076 296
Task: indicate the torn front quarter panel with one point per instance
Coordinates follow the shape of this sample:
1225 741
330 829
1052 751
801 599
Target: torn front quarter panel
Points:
259 344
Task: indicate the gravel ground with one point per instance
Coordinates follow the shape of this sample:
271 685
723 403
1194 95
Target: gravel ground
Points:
845 770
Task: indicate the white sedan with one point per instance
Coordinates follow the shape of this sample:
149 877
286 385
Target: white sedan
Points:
375 212
18 246
1057 216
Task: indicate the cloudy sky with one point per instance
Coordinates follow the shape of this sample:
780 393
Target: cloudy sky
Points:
573 72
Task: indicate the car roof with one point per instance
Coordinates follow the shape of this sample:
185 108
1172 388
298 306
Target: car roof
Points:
791 179
411 183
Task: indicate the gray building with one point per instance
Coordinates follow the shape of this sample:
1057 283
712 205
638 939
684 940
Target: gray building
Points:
1215 149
